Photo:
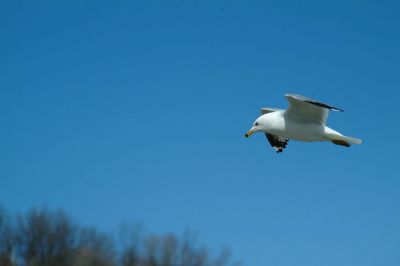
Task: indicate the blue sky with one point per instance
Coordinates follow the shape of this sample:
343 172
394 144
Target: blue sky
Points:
135 112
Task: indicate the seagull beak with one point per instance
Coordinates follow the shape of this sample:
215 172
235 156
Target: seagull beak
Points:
249 133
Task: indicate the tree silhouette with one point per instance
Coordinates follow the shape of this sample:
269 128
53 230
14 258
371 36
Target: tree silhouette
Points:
51 238
6 239
44 238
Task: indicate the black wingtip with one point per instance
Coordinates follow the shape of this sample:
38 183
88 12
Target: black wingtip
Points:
324 105
337 109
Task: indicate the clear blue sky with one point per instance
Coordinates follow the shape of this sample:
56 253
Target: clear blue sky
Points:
135 112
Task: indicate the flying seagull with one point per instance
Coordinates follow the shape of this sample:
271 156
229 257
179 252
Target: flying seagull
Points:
304 120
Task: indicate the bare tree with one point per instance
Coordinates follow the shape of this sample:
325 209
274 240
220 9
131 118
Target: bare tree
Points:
129 239
93 249
6 240
169 250
45 238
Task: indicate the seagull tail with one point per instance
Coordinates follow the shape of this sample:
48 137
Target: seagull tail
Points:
339 139
353 140
345 141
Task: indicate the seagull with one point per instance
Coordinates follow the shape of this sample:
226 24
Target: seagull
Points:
304 120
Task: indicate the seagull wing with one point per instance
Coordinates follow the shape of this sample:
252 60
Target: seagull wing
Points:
306 110
267 110
276 142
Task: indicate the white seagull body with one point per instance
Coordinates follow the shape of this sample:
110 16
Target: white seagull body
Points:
304 120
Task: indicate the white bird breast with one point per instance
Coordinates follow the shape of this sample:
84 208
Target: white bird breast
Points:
277 124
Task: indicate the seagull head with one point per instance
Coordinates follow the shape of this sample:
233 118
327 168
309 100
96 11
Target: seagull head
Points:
258 125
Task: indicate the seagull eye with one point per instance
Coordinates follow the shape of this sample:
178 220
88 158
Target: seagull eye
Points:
256 124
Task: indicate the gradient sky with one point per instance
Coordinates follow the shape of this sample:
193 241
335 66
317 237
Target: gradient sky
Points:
135 112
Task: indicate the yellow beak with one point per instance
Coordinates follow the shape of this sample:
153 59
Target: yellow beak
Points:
249 133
